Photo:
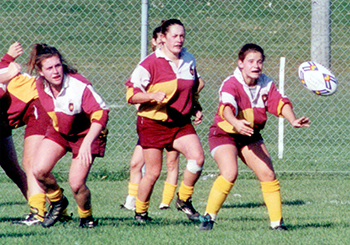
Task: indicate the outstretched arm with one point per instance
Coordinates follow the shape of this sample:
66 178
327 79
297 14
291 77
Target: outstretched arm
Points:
288 113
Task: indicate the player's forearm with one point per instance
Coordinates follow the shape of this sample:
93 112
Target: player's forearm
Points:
288 113
94 132
201 84
7 76
229 116
141 98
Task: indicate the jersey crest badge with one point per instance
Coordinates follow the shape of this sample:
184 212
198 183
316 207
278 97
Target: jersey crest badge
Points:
71 106
264 97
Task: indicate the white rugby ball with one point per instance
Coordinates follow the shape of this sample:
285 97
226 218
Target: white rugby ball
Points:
317 78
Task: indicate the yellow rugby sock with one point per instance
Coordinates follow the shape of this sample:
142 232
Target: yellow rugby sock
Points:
37 205
55 196
132 189
221 188
141 207
185 192
168 193
84 213
272 197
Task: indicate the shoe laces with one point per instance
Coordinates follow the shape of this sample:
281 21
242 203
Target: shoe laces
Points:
189 205
205 218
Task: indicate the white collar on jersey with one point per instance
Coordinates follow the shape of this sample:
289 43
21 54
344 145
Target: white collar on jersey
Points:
65 84
160 53
261 80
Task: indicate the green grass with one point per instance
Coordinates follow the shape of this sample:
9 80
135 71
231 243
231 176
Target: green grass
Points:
312 214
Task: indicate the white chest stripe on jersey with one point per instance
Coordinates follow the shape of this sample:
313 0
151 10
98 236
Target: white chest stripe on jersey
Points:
69 100
229 98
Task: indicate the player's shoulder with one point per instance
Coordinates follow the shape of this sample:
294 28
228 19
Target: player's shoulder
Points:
187 56
263 78
77 77
265 81
149 59
230 85
231 81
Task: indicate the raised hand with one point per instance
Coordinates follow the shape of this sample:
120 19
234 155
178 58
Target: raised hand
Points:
15 50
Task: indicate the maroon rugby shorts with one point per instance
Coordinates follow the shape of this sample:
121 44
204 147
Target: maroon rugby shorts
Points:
72 144
36 119
156 134
218 136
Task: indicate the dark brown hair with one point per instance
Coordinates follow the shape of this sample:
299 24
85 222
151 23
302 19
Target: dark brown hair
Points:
250 47
157 30
42 51
165 26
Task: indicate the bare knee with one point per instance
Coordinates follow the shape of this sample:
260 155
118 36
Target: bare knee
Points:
267 175
194 166
229 176
199 159
76 187
40 175
136 165
152 176
172 165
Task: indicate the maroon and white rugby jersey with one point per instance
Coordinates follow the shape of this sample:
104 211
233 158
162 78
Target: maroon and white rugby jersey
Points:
249 103
158 73
75 107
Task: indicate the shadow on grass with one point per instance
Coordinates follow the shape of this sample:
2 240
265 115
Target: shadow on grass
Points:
294 203
258 204
242 219
244 205
11 219
311 225
12 203
114 221
22 234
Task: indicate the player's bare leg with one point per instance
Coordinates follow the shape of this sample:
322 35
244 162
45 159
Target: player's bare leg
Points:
194 154
258 159
78 174
153 161
170 184
136 163
44 161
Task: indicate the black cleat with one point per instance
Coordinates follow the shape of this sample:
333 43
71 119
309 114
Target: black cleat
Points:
280 227
206 223
88 222
187 208
163 206
31 219
57 209
142 217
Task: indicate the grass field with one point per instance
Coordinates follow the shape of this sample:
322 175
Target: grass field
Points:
312 214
